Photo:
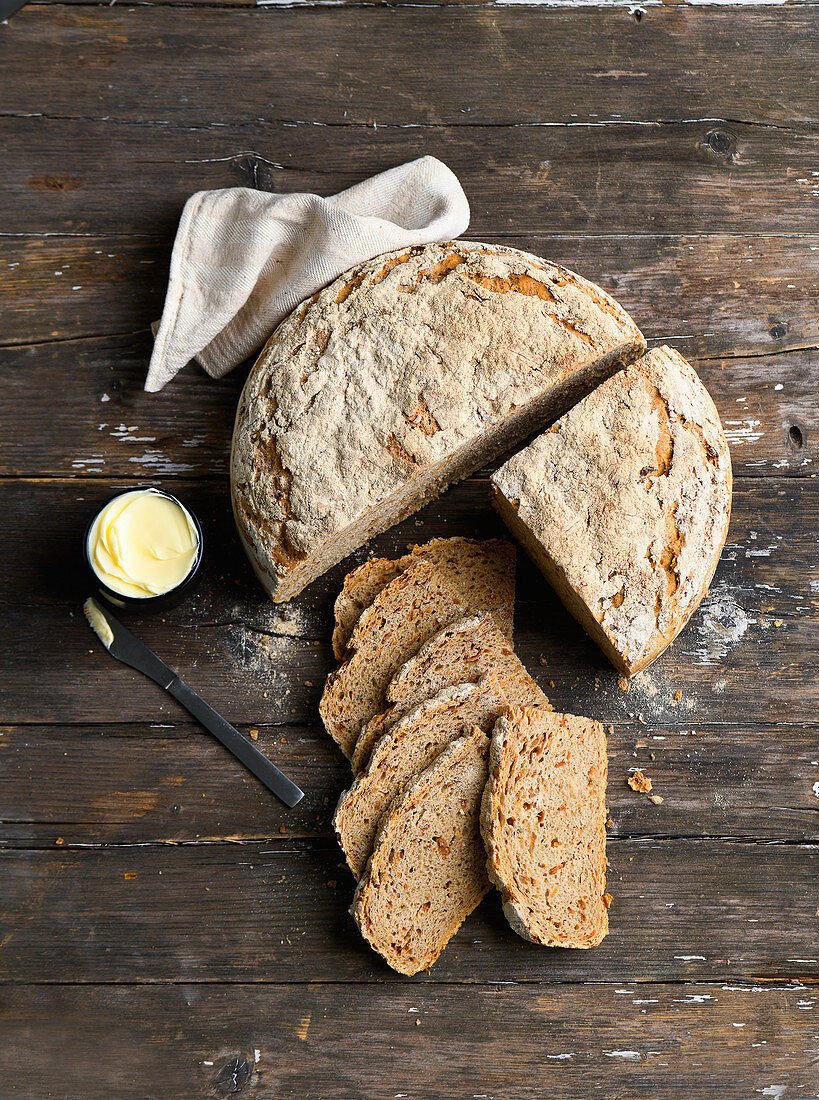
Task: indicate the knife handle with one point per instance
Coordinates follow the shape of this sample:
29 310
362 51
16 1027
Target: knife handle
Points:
244 750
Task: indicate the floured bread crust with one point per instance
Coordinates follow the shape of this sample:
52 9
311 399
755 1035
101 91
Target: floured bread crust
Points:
624 504
401 376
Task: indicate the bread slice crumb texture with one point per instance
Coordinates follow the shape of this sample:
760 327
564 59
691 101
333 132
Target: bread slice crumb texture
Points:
410 746
543 822
462 652
483 573
411 608
428 869
624 504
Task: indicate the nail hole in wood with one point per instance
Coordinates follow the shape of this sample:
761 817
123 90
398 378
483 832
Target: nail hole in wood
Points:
795 437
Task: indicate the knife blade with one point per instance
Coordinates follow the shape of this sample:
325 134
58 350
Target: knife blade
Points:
126 647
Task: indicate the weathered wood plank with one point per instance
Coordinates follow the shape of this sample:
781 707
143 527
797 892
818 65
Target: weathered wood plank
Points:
707 295
295 1041
693 909
95 176
330 64
265 664
109 427
129 784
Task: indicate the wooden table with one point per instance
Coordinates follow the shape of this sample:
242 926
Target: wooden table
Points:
167 929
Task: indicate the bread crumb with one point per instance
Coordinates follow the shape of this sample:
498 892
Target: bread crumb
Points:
611 730
60 840
417 1023
677 696
623 684
607 900
254 733
542 661
655 798
639 782
651 756
609 823
551 683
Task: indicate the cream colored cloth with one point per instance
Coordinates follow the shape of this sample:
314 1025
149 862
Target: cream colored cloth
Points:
243 259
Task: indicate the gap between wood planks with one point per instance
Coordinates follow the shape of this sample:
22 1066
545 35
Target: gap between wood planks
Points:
259 125
795 349
636 10
288 846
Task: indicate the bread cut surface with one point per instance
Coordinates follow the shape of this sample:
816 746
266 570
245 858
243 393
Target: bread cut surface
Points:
543 823
409 747
464 651
483 573
428 868
405 374
624 504
412 607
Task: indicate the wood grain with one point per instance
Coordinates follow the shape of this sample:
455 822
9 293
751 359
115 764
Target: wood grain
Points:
264 664
667 152
109 427
277 911
98 176
152 783
707 295
328 65
286 1041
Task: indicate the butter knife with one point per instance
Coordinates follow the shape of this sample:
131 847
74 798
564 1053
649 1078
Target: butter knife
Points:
123 645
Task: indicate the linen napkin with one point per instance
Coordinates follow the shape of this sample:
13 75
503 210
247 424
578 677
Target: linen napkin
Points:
243 259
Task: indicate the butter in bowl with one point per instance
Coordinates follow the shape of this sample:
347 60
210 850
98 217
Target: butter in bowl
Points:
143 548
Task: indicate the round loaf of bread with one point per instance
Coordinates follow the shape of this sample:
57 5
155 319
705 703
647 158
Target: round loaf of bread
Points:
403 375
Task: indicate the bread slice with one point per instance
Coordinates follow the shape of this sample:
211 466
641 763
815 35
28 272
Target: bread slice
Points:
358 591
463 651
402 376
624 505
413 606
543 822
428 868
483 572
411 745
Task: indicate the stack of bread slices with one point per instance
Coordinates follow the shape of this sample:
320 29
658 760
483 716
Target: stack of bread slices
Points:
464 776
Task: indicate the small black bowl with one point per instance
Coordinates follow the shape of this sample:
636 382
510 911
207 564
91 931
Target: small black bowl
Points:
163 600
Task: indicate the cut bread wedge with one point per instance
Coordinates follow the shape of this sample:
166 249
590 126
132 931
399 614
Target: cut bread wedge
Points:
428 868
543 822
412 607
462 652
624 505
411 745
482 572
